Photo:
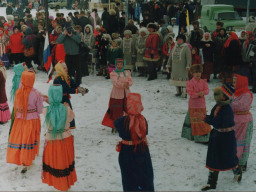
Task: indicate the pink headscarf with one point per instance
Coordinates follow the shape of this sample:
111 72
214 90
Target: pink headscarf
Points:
138 124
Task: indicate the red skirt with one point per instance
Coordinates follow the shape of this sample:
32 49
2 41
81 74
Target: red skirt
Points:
24 141
5 114
59 164
117 108
207 70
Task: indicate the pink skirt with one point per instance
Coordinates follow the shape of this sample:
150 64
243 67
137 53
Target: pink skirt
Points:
5 114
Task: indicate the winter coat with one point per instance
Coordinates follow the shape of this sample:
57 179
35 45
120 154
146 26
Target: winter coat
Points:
29 39
221 158
105 20
140 50
113 25
9 10
71 44
232 54
151 48
167 48
102 49
207 51
128 50
83 21
16 45
89 39
196 59
121 26
4 44
179 61
53 37
113 54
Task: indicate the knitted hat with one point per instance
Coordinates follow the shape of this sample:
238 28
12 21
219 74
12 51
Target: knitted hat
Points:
127 32
180 36
152 25
196 68
228 89
115 35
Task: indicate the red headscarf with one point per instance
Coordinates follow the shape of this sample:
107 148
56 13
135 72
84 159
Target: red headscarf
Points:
137 124
22 94
233 37
241 86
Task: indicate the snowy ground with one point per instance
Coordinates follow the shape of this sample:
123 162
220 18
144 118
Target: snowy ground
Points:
179 164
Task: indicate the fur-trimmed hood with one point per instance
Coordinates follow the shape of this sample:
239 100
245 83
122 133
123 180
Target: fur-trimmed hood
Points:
91 30
145 30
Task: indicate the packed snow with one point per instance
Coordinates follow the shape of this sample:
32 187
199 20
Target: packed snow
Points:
179 164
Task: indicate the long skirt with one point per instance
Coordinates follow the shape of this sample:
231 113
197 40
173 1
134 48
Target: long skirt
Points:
194 129
243 138
59 164
207 70
136 169
5 114
24 141
117 109
221 154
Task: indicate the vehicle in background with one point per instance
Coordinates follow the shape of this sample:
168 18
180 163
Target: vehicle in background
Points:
58 4
239 5
210 14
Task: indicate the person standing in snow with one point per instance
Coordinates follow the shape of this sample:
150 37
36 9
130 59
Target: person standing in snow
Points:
59 155
122 81
194 128
134 157
241 105
222 147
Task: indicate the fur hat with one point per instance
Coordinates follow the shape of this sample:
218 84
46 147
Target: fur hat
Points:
127 32
115 35
10 17
196 68
144 29
152 25
170 29
180 36
112 12
228 89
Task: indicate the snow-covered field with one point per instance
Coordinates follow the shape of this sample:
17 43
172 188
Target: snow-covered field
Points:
179 164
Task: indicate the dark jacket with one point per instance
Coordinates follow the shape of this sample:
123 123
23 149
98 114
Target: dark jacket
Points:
71 44
105 20
29 39
113 25
83 21
9 10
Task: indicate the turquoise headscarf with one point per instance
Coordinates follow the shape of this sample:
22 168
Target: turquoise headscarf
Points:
56 115
122 70
18 69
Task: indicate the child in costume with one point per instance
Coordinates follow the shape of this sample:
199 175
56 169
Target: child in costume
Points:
5 114
134 157
194 128
18 70
122 82
24 139
241 105
4 44
59 156
221 154
68 84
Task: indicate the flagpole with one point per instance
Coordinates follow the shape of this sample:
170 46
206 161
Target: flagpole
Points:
46 15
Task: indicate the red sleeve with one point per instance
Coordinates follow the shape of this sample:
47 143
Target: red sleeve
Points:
164 49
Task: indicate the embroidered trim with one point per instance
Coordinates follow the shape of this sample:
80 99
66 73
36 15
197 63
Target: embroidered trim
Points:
22 146
224 129
28 111
59 172
242 112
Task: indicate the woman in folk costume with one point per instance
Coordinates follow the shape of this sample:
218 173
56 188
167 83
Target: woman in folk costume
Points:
140 49
232 57
134 157
207 46
5 114
241 105
194 128
167 49
122 81
4 43
221 154
24 140
59 155
68 84
128 49
18 70
180 62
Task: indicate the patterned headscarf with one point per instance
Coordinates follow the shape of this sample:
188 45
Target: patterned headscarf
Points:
59 67
56 115
233 37
22 94
18 69
137 123
241 86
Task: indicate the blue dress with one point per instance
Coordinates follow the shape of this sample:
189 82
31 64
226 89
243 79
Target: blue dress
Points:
136 167
72 89
221 154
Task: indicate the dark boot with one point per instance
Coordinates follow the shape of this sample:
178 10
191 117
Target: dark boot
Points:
151 71
178 90
212 181
141 72
237 174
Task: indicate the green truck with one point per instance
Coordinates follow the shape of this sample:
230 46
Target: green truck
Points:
210 14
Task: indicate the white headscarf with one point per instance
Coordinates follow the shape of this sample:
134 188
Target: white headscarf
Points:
210 38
